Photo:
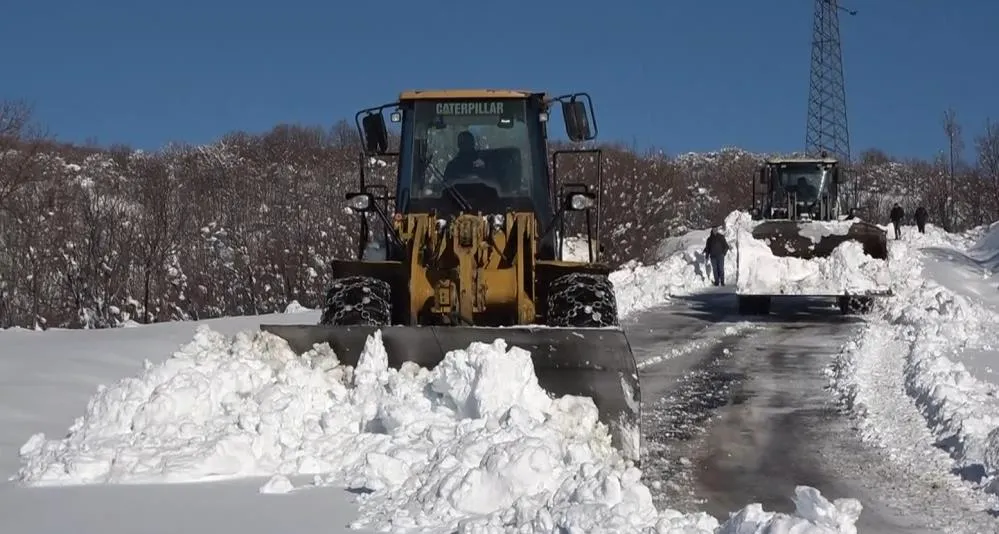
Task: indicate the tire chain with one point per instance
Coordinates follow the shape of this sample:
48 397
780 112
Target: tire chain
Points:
358 300
582 300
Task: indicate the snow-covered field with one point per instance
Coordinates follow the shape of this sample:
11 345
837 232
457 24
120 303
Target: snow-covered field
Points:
918 376
473 445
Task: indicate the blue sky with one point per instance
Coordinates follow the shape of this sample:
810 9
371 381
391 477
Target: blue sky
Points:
679 75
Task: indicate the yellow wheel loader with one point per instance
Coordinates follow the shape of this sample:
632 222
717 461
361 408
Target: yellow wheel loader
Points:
799 213
470 249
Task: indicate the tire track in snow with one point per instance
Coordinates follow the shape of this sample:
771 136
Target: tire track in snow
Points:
872 391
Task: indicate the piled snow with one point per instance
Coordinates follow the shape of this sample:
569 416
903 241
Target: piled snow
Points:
816 230
473 445
295 307
986 250
575 248
930 328
846 271
638 287
682 269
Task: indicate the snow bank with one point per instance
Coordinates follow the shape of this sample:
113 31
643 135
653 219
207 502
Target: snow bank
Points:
986 250
846 271
575 248
473 445
816 230
295 307
682 269
928 326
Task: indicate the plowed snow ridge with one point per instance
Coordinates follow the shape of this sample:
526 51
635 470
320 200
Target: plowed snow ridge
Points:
920 337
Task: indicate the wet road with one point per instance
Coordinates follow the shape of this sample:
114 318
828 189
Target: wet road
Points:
737 412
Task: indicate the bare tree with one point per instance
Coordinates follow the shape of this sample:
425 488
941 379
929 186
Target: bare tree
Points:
952 129
988 162
245 224
20 142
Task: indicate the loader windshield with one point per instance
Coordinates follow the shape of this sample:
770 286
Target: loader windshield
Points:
806 180
479 155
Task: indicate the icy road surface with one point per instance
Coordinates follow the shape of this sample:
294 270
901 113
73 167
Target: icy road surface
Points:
738 411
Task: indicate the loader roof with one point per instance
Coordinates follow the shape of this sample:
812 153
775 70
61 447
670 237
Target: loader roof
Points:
438 94
802 160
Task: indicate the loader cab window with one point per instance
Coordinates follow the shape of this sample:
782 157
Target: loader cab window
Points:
486 153
808 181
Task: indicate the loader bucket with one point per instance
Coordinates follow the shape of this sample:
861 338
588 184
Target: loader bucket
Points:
590 362
792 238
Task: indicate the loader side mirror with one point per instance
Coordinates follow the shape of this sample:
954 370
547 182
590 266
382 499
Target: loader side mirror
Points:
580 201
360 202
577 123
375 133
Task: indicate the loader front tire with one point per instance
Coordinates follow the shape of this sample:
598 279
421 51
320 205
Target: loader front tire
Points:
582 300
358 300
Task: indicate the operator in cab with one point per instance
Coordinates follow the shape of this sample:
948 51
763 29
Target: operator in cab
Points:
805 191
466 161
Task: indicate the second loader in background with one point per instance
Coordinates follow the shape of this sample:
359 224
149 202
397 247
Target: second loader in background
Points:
469 250
798 212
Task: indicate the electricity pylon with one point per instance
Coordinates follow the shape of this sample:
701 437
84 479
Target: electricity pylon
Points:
827 126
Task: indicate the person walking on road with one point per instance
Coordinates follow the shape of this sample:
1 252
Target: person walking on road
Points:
896 219
715 249
921 216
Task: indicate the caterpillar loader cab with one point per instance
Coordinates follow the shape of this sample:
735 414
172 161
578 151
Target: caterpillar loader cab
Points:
798 205
469 248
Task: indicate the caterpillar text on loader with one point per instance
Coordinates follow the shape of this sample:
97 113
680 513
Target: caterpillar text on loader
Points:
797 201
469 249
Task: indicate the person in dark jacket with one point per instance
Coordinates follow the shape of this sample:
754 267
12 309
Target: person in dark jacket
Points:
715 249
921 216
896 219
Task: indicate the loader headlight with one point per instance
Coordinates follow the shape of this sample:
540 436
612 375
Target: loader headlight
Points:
359 201
581 201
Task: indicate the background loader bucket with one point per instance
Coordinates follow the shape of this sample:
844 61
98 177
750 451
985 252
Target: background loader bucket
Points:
589 362
791 238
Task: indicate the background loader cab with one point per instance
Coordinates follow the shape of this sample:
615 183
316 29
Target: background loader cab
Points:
798 189
799 213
